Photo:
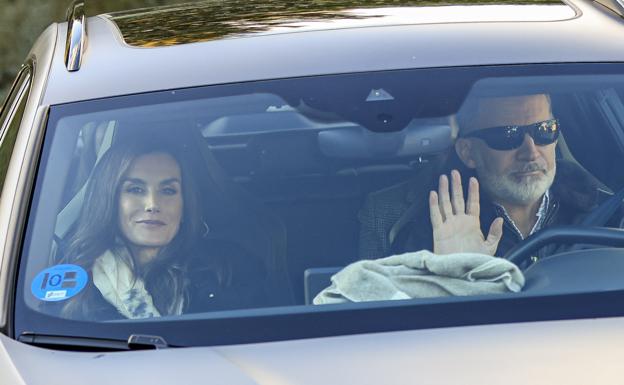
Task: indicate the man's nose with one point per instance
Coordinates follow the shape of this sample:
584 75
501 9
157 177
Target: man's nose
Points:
528 150
151 202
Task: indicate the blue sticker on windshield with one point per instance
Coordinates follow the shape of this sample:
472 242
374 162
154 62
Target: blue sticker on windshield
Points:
59 282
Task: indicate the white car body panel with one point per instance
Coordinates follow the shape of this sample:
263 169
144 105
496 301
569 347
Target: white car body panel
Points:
557 352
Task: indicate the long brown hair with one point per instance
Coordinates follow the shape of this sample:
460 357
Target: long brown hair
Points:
96 229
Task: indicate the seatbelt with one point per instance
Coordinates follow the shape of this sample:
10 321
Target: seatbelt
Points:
601 214
598 217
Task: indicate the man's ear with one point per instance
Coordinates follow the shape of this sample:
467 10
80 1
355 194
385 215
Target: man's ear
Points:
465 148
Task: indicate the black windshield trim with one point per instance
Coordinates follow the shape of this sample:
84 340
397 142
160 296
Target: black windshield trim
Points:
335 320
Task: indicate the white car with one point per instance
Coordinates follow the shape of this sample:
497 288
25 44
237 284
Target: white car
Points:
179 183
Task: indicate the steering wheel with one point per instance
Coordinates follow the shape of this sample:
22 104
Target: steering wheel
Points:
565 235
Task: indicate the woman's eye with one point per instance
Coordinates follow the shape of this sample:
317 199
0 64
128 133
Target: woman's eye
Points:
169 191
134 190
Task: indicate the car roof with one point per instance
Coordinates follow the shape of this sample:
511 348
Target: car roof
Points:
121 58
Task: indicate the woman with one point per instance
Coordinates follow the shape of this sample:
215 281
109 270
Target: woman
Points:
141 236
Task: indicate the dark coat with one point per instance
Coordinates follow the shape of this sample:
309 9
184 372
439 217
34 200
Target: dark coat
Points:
396 220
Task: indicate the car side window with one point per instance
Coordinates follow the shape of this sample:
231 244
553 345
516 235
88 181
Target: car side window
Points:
11 117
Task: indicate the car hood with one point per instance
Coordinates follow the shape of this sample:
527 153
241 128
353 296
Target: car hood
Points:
570 352
24 364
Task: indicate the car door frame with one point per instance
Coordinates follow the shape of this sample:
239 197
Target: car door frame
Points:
21 173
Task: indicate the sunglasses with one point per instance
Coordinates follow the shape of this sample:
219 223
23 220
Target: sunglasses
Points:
512 137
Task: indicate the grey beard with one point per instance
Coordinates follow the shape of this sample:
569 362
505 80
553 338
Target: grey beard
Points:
506 189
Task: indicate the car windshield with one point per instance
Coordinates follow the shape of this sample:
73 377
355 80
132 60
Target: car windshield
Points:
239 201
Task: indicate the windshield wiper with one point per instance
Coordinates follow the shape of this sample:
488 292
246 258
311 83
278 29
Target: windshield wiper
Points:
134 342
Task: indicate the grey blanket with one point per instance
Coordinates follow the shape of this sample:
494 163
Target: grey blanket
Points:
422 274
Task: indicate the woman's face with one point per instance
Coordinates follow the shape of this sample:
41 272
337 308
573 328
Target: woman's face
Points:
150 201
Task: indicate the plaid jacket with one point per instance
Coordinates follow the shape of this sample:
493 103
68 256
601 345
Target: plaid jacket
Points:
396 219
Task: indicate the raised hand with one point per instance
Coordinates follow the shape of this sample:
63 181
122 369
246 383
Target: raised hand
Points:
456 224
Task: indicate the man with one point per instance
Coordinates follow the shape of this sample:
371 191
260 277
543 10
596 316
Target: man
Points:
506 148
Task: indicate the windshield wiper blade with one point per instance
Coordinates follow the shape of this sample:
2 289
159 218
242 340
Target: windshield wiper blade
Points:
134 342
